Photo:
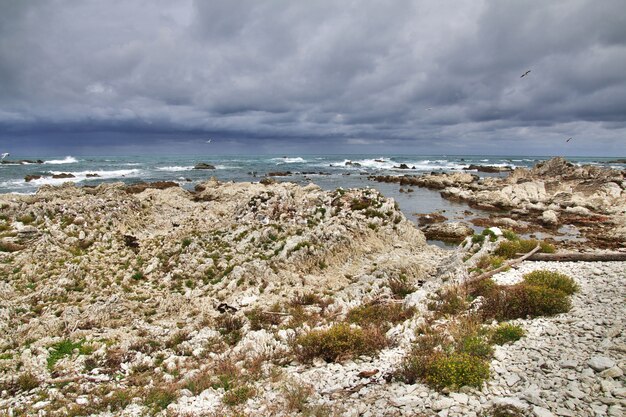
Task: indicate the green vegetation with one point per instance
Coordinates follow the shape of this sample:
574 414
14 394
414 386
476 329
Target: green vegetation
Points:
61 349
513 248
158 398
506 333
230 328
553 280
456 370
339 342
238 395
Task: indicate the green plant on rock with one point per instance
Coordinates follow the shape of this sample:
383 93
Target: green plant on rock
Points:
476 346
338 342
456 370
514 248
551 279
506 333
158 398
61 349
523 300
238 395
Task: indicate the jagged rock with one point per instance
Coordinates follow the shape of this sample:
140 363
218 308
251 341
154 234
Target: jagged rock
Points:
63 175
203 165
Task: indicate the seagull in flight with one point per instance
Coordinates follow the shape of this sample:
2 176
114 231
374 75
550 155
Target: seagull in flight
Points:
568 140
525 74
429 108
209 141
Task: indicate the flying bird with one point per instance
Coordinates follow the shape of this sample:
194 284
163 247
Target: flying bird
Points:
525 74
429 108
568 140
208 141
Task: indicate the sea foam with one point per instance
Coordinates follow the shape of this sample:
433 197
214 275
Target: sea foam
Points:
66 160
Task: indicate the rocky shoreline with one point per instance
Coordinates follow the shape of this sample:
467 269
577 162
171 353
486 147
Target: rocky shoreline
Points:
552 195
152 300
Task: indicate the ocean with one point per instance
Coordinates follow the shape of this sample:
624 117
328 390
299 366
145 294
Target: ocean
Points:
327 171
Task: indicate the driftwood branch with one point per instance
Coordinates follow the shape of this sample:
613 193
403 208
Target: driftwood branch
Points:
579 257
505 266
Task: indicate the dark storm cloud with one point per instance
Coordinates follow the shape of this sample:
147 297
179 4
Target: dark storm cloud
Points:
420 75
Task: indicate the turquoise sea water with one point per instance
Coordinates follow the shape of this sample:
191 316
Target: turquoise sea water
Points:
327 171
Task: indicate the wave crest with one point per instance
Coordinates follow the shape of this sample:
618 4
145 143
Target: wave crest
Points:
66 160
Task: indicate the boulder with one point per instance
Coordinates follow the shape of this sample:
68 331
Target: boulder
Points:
203 165
451 232
549 218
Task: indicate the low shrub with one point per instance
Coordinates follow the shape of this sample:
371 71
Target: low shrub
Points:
523 300
550 279
456 370
509 235
506 332
379 314
449 302
230 328
339 342
474 345
513 248
490 262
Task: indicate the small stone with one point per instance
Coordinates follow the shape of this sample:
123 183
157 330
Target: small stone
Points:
574 392
568 364
512 379
600 363
616 411
564 412
81 235
442 404
542 412
82 401
614 372
459 398
619 392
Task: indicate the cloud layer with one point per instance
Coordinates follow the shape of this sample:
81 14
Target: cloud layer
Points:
424 76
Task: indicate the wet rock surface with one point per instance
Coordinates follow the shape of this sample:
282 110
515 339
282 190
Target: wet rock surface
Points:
552 194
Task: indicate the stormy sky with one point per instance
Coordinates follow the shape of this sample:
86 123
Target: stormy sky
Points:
283 76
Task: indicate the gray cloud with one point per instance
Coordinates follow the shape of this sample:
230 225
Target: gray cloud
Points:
355 75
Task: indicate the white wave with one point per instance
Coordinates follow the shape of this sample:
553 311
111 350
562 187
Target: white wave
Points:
66 160
176 168
82 176
290 160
